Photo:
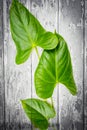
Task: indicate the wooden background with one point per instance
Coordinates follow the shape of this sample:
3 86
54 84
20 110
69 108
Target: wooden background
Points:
69 18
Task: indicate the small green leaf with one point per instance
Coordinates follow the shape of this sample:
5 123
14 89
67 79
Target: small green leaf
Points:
28 33
39 112
54 67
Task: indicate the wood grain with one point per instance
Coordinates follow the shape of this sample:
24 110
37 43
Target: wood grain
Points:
17 79
2 92
71 28
85 66
47 14
69 18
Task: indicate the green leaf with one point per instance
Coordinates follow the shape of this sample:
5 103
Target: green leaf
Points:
39 112
54 67
28 33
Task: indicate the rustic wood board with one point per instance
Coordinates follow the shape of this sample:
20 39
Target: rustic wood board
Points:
2 92
85 67
47 13
69 18
17 79
71 27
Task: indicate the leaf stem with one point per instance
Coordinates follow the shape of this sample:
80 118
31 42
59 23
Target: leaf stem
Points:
37 53
55 31
52 102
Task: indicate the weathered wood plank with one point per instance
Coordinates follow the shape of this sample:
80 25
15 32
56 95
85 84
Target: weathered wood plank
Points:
85 68
71 27
47 13
2 92
17 79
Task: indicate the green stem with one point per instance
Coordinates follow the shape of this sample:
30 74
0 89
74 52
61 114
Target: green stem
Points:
37 53
55 31
52 102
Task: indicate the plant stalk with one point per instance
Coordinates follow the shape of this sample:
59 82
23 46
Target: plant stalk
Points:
52 102
37 53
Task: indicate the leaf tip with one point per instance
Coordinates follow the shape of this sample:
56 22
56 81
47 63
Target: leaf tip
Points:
74 92
18 60
22 101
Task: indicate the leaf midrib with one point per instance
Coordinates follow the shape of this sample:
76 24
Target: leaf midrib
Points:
49 73
36 111
47 81
29 38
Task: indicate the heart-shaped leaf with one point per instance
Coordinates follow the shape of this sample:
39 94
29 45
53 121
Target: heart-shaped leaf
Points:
28 33
39 112
54 67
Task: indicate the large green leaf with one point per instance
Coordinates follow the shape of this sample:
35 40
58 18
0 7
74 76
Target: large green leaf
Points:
27 32
54 67
39 112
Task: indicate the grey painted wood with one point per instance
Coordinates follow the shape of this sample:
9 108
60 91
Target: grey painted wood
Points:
17 79
68 18
71 28
2 98
85 68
